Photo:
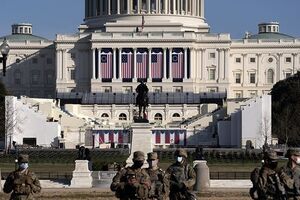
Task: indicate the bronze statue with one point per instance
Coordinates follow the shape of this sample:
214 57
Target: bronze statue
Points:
142 99
83 154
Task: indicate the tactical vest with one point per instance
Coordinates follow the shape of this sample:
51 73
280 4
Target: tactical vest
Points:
19 184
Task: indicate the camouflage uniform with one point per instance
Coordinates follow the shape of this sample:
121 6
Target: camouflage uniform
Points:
290 175
22 183
159 184
266 182
132 183
182 178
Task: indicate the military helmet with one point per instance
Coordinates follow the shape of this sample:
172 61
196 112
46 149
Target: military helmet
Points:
23 158
270 155
181 152
152 156
138 155
292 152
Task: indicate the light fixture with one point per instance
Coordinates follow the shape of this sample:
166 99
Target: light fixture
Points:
4 48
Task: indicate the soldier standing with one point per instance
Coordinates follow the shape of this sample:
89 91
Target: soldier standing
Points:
22 183
290 174
159 185
181 177
266 182
132 183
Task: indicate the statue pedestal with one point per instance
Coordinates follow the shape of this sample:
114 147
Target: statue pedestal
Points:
82 176
202 172
141 140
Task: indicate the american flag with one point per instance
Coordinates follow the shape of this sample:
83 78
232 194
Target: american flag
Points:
177 65
106 65
126 65
141 65
156 65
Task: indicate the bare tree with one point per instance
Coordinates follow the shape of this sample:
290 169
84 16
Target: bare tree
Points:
265 131
13 121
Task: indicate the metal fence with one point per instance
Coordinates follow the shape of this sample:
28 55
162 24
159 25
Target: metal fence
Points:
68 175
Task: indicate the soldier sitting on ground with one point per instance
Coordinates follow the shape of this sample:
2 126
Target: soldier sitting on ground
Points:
181 177
22 182
159 185
266 181
132 183
290 174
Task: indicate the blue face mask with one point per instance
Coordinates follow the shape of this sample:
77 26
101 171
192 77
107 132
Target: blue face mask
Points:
179 159
23 166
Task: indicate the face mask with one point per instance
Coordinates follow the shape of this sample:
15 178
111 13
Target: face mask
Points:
138 163
273 165
153 163
179 159
23 166
297 160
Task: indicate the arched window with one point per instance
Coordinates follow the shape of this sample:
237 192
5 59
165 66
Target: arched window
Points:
270 76
122 117
158 117
176 115
104 115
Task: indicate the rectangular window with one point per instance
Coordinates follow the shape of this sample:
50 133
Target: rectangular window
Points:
212 74
127 90
253 93
288 74
252 78
178 89
212 90
212 55
157 89
288 59
252 60
238 95
73 74
35 78
107 89
238 78
238 60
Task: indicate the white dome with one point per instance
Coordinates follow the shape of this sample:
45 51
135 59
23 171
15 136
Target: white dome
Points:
152 15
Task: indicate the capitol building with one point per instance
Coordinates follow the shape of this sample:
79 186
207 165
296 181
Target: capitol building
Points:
190 72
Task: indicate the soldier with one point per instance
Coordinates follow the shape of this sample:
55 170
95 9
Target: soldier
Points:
159 185
132 183
290 174
22 183
181 177
266 182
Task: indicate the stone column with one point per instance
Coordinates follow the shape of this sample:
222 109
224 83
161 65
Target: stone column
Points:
134 63
279 68
166 7
120 64
118 7
58 65
115 63
170 64
226 74
165 63
109 7
99 65
203 62
181 7
128 7
259 80
294 62
138 6
149 64
64 66
244 72
178 7
219 64
202 8
174 7
94 10
101 8
93 63
148 6
185 63
186 7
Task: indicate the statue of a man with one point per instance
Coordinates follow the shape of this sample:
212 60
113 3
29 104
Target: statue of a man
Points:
142 97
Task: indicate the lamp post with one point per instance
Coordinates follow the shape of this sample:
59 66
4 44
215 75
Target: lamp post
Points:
4 48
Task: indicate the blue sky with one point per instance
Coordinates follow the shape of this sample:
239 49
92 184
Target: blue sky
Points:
224 16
